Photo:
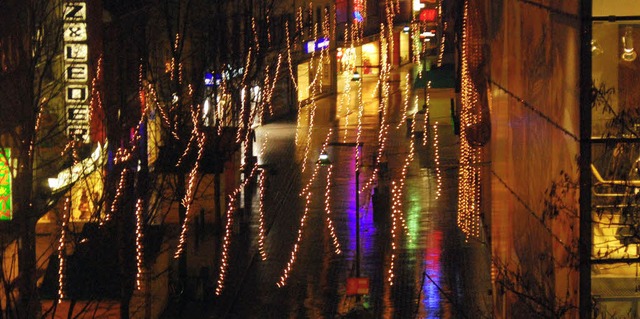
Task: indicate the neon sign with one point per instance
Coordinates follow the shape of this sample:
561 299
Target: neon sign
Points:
6 208
320 44
76 74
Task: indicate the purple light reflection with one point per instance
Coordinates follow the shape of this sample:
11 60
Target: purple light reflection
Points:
431 294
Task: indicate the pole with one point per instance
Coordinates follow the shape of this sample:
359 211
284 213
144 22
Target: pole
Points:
585 307
357 218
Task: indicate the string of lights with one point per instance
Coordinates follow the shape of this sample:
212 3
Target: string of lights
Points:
469 173
405 101
62 261
285 273
139 244
188 197
427 102
436 159
261 230
226 239
327 209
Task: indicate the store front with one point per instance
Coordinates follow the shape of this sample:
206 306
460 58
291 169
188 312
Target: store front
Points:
404 47
615 149
364 59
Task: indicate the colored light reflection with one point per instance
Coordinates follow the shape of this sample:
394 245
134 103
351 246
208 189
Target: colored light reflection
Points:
430 292
413 216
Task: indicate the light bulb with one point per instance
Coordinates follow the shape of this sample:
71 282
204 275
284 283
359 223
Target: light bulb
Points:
628 51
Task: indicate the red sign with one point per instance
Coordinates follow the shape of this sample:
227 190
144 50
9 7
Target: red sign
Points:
428 15
357 286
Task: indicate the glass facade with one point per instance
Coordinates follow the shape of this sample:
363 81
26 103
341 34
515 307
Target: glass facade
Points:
615 163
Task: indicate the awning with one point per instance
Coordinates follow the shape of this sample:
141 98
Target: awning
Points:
70 175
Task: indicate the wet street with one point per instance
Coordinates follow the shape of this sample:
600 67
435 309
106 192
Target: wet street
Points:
417 260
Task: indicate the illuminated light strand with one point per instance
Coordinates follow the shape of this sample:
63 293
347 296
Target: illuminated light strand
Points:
256 40
273 86
246 67
347 95
325 144
116 198
359 128
243 110
394 221
327 209
291 75
427 102
32 139
286 271
188 197
95 95
405 102
314 107
398 220
139 244
469 173
231 208
436 156
62 262
261 230
299 23
442 41
268 18
383 106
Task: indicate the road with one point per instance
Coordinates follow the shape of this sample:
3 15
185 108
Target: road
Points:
436 272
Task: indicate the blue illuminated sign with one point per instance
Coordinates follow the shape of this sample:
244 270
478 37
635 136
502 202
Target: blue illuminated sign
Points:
320 44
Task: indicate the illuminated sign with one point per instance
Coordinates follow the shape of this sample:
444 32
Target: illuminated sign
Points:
358 8
6 209
76 74
428 15
320 44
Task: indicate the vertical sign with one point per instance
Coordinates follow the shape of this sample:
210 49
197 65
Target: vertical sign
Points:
76 74
6 208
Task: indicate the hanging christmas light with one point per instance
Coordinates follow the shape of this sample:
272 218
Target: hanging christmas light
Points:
62 261
436 159
327 209
139 244
261 231
469 172
294 252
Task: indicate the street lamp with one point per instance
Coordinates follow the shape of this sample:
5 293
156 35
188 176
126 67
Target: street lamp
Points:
323 159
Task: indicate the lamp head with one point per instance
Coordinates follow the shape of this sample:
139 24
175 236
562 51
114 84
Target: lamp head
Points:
323 159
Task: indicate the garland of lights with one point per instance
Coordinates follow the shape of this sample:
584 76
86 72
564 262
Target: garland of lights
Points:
139 243
427 102
436 157
231 208
261 231
226 241
327 209
405 101
62 262
469 174
296 245
188 197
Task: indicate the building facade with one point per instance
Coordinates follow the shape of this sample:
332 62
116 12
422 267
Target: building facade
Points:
559 195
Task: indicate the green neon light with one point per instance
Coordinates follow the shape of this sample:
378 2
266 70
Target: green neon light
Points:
6 208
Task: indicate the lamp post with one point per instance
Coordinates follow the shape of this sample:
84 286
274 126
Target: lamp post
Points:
324 160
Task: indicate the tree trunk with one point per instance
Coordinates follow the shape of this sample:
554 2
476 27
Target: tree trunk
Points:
28 299
182 214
